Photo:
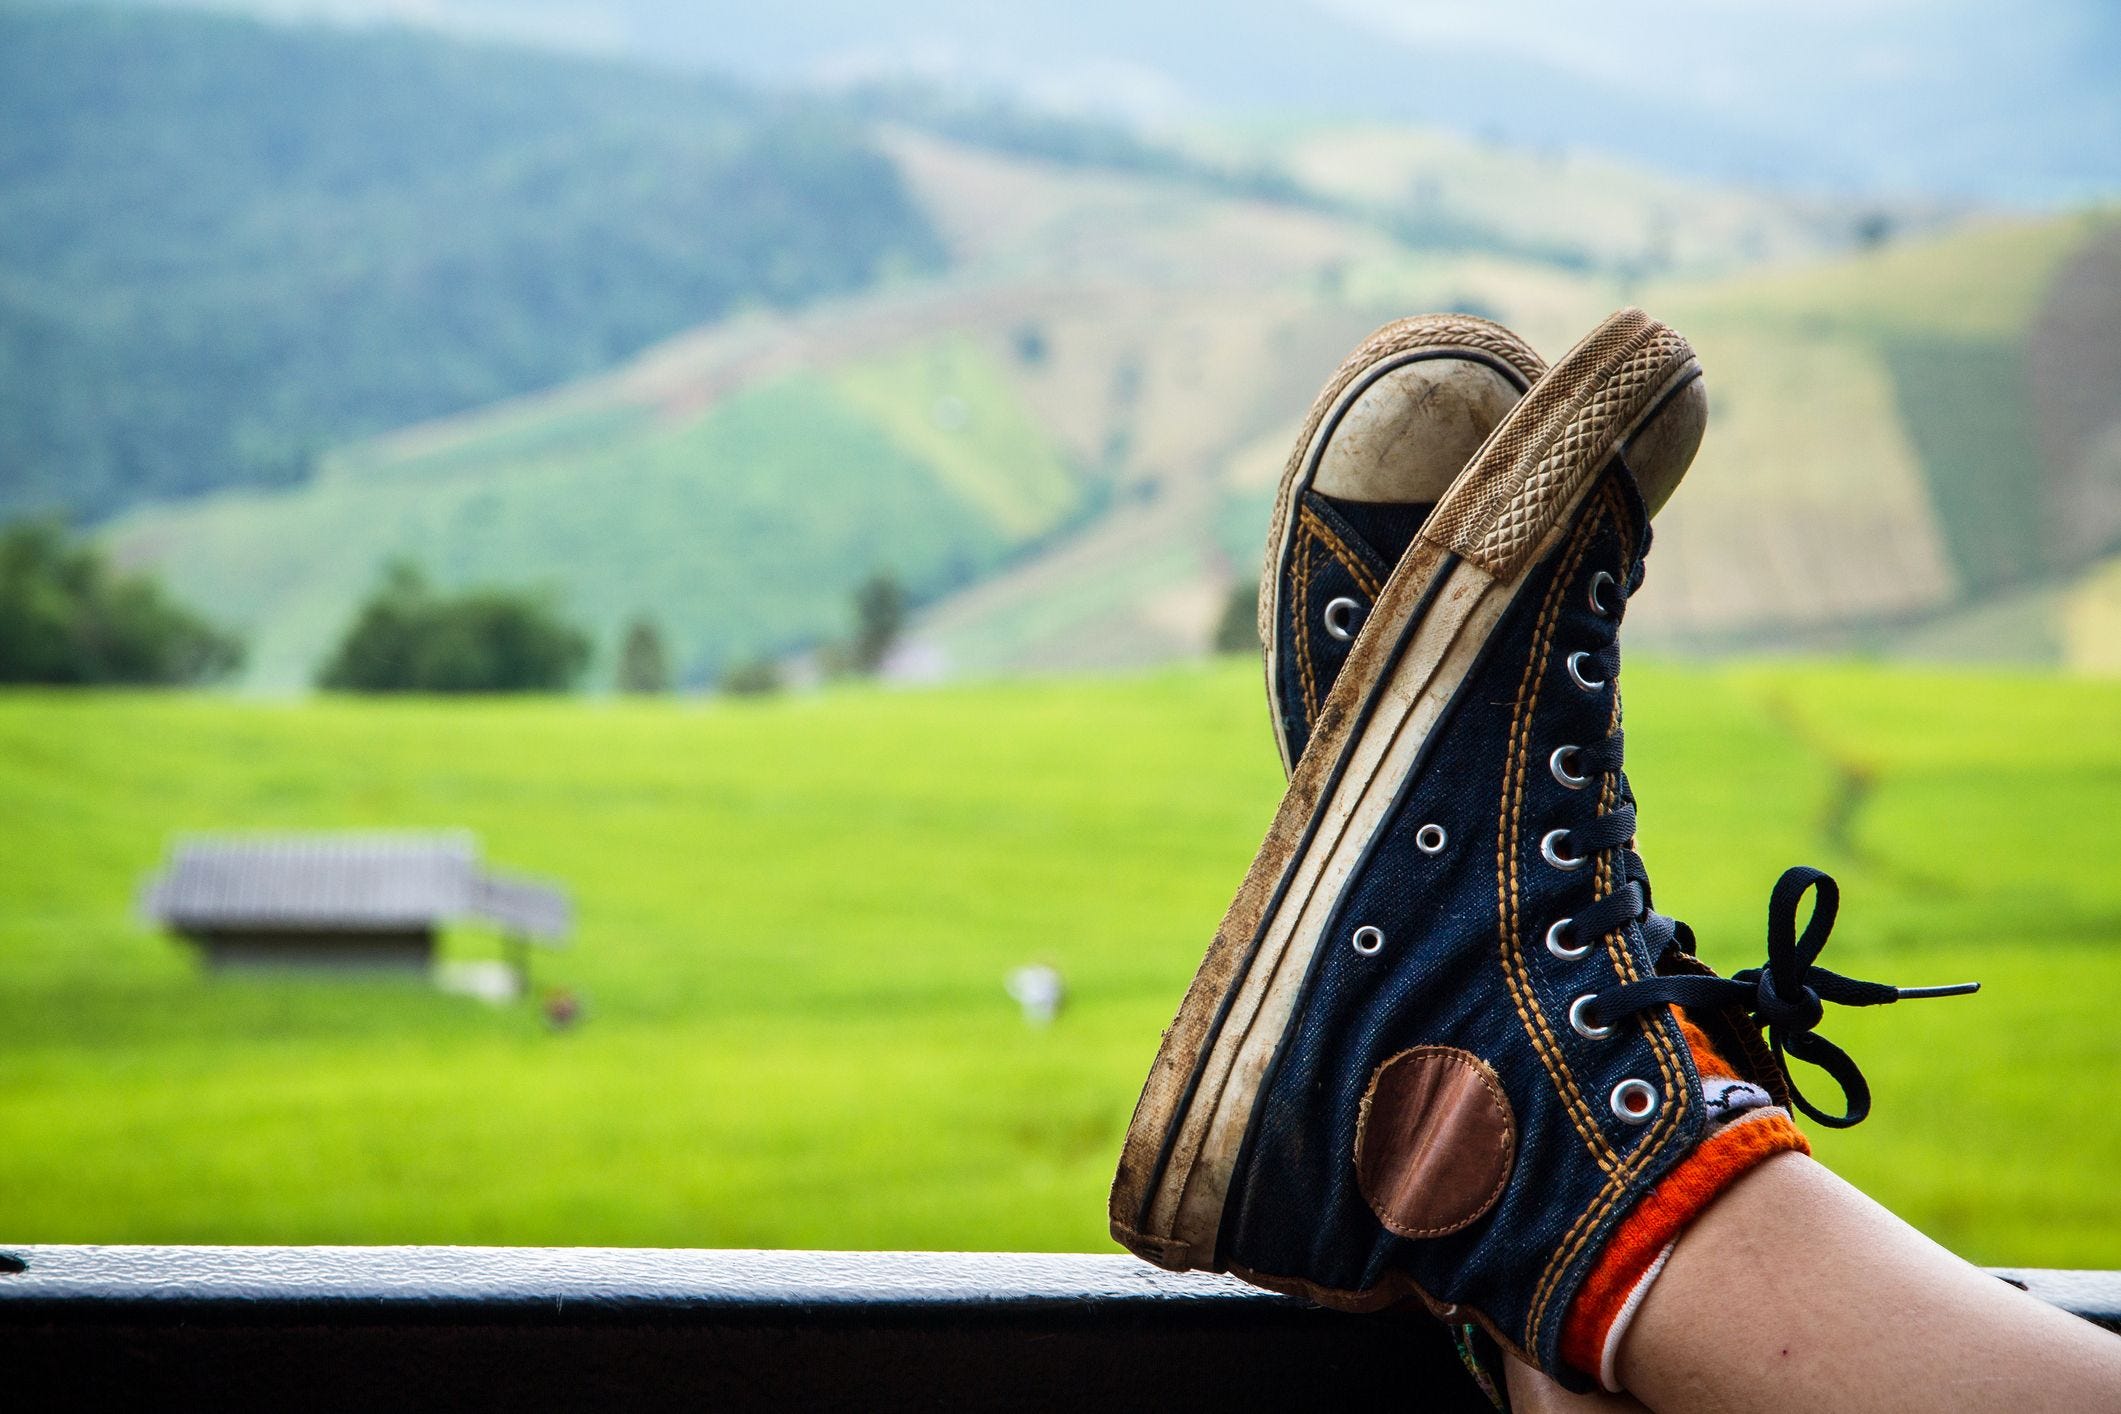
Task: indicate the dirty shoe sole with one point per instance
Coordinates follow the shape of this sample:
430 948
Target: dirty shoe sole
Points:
1391 350
1497 521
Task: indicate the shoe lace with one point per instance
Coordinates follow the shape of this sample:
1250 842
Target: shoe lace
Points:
1787 996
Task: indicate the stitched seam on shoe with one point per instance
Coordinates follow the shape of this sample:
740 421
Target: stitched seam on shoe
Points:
1616 1178
1514 973
1300 609
1425 331
1608 792
1617 1181
1357 570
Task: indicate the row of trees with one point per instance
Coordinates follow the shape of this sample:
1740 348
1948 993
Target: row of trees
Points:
68 617
410 637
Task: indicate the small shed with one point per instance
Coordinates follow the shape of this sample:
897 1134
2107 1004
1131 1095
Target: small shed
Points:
367 902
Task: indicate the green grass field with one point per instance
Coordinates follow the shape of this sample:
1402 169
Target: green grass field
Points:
796 916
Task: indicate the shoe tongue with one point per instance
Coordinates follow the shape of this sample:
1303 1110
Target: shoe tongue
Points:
1638 509
1384 528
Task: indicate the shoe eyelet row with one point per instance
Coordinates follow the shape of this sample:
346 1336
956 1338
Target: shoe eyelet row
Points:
1342 617
1633 1101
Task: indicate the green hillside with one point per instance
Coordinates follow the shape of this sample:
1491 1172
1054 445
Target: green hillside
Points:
1915 449
226 247
1092 459
742 527
1876 459
796 918
1067 444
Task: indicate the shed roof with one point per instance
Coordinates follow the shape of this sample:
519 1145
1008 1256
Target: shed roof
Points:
345 881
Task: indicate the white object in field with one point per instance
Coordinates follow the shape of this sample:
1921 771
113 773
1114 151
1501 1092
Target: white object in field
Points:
1039 990
495 983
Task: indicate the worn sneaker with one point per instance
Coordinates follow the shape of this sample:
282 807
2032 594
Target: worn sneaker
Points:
1386 438
1383 442
1430 1052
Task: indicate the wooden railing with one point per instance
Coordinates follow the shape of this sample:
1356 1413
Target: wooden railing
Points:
386 1328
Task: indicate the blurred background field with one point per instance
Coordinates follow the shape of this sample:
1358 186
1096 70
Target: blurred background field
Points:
873 413
797 916
713 342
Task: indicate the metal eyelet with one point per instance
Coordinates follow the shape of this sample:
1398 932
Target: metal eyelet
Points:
1576 661
1562 773
1560 949
1430 839
1599 581
1634 1101
1338 623
1369 941
1584 1028
1549 851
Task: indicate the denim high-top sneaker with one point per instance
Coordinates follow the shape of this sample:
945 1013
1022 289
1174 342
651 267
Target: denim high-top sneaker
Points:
1382 444
1384 441
1434 1050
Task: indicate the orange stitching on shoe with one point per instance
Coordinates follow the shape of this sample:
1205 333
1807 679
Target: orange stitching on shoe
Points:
1300 573
1679 1101
1357 570
1514 973
1533 1020
1432 331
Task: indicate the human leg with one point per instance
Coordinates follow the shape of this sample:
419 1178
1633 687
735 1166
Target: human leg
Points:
1796 1291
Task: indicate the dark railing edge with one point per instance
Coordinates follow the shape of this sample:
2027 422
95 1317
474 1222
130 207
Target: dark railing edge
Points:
645 1328
580 1281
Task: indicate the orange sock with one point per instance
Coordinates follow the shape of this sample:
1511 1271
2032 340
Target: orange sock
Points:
1745 1126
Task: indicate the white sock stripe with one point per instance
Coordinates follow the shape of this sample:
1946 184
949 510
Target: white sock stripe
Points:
1610 1356
1725 1099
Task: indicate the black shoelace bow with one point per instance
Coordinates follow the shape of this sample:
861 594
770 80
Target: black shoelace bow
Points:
1788 995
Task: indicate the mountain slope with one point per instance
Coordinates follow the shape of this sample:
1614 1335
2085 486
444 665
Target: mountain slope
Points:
1886 468
741 523
227 246
737 482
1067 446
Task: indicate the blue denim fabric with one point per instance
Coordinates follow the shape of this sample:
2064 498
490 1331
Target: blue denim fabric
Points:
1295 1210
1325 559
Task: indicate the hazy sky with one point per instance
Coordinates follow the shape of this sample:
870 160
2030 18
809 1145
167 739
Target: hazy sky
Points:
2011 100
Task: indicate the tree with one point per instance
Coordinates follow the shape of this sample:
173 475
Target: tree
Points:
1874 229
754 677
408 638
644 666
879 615
1238 631
65 617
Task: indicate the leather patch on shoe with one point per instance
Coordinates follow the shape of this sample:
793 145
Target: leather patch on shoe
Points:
1435 1141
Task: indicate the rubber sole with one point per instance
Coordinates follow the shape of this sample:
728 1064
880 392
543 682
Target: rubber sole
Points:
1422 638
